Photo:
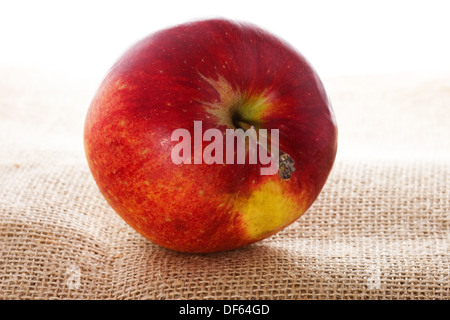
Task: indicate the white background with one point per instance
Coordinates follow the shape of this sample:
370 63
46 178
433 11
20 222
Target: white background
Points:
337 37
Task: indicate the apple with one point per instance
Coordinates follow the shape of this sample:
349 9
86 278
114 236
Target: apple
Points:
227 75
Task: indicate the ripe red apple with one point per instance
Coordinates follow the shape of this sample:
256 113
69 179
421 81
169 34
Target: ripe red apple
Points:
227 75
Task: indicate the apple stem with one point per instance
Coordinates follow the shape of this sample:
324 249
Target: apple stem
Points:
285 162
285 166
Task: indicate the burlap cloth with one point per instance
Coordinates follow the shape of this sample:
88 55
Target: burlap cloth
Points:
379 229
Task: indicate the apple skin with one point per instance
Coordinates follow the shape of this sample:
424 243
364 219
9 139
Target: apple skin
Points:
200 71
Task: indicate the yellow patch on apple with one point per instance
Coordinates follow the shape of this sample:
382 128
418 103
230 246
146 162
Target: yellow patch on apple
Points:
268 209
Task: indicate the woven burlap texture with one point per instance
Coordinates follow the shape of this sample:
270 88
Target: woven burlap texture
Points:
379 229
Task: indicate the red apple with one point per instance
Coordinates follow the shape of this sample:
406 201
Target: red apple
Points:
227 75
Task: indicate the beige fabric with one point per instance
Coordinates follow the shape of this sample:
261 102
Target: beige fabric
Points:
379 230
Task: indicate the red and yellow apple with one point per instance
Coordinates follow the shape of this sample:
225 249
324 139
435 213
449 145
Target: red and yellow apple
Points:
227 75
